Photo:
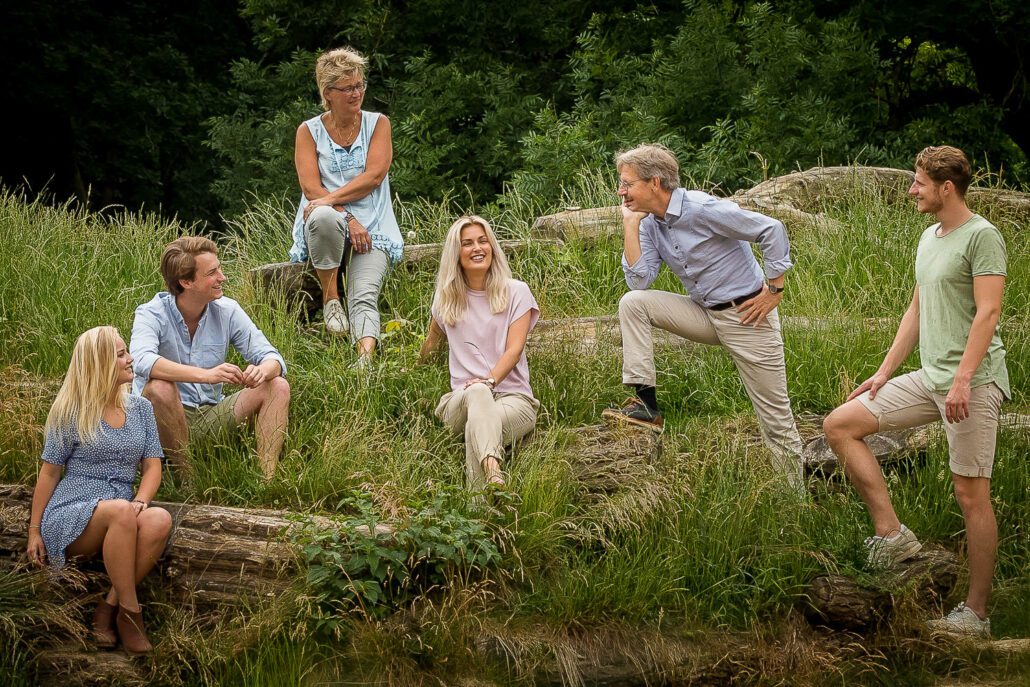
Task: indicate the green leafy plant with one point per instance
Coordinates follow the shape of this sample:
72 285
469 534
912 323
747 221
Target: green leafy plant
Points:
360 563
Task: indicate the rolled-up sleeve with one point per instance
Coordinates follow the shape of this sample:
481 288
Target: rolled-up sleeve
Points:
145 341
641 274
729 219
251 342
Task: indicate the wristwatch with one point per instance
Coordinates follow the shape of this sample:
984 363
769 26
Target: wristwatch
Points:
775 289
491 381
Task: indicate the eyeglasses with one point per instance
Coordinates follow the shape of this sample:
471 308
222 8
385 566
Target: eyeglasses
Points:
624 184
349 90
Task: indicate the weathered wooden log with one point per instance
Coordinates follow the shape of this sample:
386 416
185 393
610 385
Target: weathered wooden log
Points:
792 198
298 280
215 555
845 603
887 448
585 333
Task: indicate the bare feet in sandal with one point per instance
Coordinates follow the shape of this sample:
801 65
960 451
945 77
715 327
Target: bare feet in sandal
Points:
492 471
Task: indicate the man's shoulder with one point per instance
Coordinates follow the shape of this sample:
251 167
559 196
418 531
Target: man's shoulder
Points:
155 307
225 306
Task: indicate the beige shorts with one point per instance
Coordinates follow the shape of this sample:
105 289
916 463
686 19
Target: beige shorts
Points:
211 421
905 402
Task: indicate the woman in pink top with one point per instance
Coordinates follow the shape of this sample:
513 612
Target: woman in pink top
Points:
485 316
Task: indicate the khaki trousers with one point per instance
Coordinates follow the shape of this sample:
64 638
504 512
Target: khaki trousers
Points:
490 422
756 351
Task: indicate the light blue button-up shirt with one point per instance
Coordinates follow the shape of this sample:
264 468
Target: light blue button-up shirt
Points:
706 242
159 331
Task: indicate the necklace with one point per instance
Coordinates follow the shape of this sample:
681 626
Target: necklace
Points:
347 138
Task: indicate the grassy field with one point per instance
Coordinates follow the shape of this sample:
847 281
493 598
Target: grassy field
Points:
717 554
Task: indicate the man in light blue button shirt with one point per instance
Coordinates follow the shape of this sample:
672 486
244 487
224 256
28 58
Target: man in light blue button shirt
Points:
706 242
179 342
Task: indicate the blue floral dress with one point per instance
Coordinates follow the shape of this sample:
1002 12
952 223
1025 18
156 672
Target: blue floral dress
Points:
104 469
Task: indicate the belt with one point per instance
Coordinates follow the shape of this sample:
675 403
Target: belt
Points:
735 301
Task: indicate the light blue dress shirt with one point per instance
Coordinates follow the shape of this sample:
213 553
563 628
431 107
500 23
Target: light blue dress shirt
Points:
159 331
706 242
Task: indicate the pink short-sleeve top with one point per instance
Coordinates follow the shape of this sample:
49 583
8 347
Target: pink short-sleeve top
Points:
477 342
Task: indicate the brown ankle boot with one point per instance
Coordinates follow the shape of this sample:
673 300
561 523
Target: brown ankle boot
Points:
103 625
131 630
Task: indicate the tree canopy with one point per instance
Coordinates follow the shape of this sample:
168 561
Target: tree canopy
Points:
192 109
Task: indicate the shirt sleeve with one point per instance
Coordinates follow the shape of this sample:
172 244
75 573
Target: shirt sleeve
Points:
145 341
522 301
152 444
987 253
641 274
728 219
251 342
59 445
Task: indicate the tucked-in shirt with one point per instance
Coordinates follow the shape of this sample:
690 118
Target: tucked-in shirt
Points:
706 242
945 268
337 167
159 331
477 341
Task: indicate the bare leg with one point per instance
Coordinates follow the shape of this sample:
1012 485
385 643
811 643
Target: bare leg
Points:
367 346
152 528
112 530
327 279
269 405
845 429
171 423
974 498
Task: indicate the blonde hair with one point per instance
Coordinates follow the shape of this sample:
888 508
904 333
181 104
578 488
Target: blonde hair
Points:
91 383
451 297
650 161
333 65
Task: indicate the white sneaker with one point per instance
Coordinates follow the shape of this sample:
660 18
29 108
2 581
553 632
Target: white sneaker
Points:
335 318
885 552
961 622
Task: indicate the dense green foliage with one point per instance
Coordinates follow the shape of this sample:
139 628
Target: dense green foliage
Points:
194 109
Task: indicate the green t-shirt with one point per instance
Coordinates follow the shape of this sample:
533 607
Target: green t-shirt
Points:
945 267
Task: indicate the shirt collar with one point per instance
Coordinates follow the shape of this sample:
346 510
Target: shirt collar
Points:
675 205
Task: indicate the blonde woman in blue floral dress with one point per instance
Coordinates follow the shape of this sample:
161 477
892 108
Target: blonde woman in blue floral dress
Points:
100 437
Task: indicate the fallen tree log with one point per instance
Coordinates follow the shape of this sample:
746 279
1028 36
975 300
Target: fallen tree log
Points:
585 333
846 603
215 555
798 197
298 281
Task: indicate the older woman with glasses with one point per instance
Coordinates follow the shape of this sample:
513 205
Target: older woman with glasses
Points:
485 316
346 219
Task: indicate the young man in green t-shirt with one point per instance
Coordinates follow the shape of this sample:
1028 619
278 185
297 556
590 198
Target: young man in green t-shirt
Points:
953 317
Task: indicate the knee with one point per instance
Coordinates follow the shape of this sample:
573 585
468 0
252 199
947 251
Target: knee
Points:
479 395
279 388
972 496
155 524
163 395
632 303
838 427
122 513
322 218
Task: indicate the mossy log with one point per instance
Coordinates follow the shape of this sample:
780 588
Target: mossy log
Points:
298 280
849 604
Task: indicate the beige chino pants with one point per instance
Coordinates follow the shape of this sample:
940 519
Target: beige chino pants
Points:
490 422
757 353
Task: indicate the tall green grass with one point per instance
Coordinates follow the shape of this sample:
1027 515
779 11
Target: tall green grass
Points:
726 548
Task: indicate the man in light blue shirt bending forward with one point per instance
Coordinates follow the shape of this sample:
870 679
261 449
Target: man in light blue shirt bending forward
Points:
706 242
179 342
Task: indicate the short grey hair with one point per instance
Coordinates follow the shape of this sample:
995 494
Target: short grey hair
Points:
652 160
